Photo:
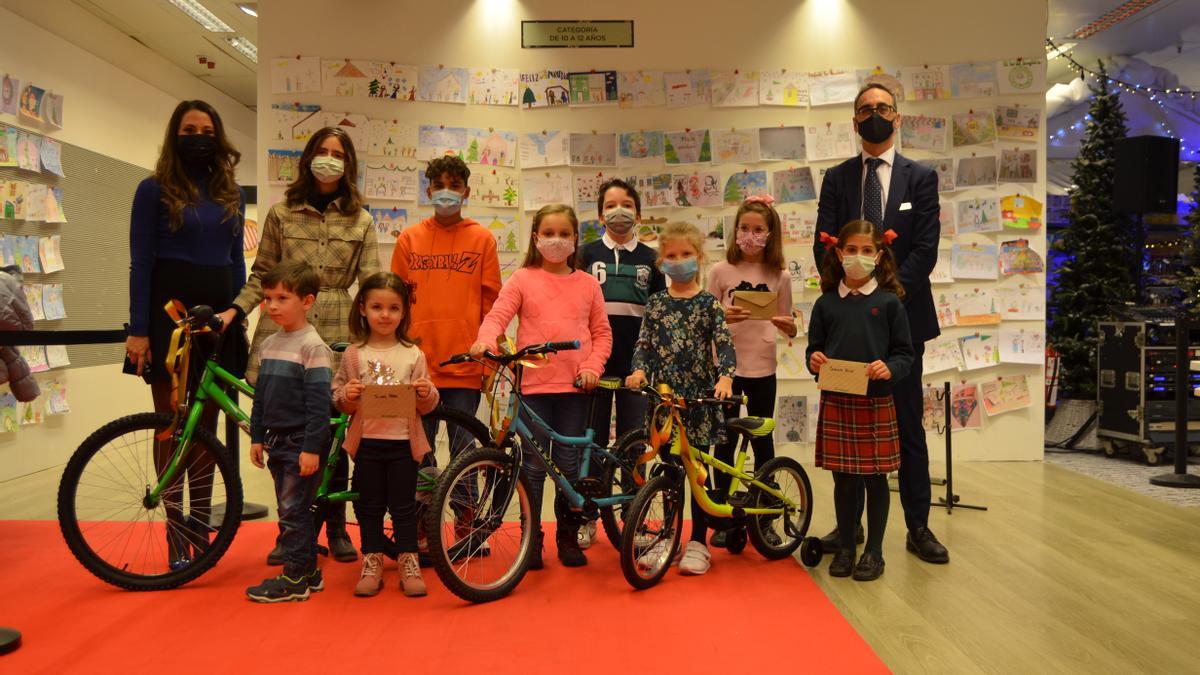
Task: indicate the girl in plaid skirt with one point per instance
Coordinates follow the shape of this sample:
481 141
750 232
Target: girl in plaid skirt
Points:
859 317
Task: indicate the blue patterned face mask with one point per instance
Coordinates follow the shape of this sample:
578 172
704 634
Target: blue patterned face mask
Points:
682 271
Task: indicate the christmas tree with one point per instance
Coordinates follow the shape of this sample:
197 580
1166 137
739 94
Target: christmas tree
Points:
1094 250
473 151
1191 272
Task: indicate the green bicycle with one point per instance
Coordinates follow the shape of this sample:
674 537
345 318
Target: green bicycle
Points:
152 501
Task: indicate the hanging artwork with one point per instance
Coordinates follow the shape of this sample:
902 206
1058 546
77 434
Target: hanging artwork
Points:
546 148
944 168
544 88
918 132
1023 345
735 146
392 81
1018 166
975 171
639 147
976 307
656 189
832 140
799 229
782 87
296 121
596 87
495 86
391 138
50 153
389 222
10 90
941 269
832 87
295 74
887 77
925 82
793 185
1021 76
744 184
946 218
978 215
590 230
687 88
1018 122
687 147
791 413
734 88
791 362
783 143
697 189
1021 303
283 166
942 353
1020 212
8 146
495 187
52 110
56 397
8 413
29 151
31 103
594 149
344 77
587 190
640 88
388 181
540 188
50 253
1005 394
933 414
507 232
1016 257
491 147
973 128
964 407
442 84
354 124
435 140
973 80
981 350
974 261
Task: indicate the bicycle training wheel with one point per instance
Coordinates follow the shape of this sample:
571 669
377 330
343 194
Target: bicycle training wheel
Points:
778 536
109 527
480 525
652 531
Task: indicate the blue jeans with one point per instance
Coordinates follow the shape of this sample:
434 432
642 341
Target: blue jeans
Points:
567 415
294 494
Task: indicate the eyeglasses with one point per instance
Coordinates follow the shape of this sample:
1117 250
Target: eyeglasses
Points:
885 111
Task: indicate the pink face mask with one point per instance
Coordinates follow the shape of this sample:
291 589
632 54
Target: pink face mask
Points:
752 243
555 249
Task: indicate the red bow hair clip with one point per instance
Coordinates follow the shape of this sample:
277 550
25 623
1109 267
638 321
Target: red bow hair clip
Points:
889 237
829 239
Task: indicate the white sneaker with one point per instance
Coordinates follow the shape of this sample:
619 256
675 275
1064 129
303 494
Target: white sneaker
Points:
696 559
653 557
587 535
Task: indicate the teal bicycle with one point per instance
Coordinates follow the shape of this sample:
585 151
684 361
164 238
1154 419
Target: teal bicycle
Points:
152 501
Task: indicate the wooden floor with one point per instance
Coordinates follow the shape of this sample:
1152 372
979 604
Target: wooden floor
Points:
1063 573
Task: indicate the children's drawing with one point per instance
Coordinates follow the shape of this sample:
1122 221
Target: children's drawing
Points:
941 269
388 181
791 415
942 353
946 220
442 84
802 314
354 124
975 171
639 147
544 89
919 132
491 147
546 187
974 261
54 205
495 86
793 185
647 232
744 184
784 143
497 188
655 189
295 74
546 148
1018 166
389 222
10 89
344 77
35 210
14 200
831 87
925 82
52 110
50 153
707 225
973 128
391 138
735 146
734 88
1016 257
802 269
435 140
33 298
1017 122
30 413
791 363
283 166
964 407
686 88
1005 394
8 146
594 149
1023 345
1021 303
8 413
981 350
391 80
944 167
782 87
507 231
687 147
973 80
35 356
587 190
56 397
595 87
296 121
888 77
640 88
29 151
1021 76
702 188
830 141
976 307
799 229
978 215
590 230
933 415
31 102
56 356
50 253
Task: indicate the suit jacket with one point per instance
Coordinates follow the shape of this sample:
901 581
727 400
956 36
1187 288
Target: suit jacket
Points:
918 229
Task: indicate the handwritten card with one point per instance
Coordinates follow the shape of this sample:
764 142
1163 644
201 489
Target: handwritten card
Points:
845 377
388 401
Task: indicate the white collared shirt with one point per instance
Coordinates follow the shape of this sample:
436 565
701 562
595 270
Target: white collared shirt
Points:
884 171
865 289
617 248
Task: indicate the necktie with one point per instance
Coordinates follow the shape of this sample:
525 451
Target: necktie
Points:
873 193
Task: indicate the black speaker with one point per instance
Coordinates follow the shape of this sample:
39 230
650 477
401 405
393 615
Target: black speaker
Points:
1147 174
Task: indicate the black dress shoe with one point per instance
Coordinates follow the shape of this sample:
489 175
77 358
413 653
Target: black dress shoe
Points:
869 567
842 563
926 546
830 545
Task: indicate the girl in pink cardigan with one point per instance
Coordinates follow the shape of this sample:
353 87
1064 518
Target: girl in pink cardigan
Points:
386 452
554 302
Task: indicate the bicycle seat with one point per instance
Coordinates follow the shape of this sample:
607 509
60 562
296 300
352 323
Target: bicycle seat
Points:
755 426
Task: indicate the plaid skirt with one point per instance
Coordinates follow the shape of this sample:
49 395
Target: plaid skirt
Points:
857 434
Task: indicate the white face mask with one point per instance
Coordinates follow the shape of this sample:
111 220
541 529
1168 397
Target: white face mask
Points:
858 266
327 169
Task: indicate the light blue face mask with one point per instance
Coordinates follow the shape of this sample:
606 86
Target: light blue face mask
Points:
681 272
446 202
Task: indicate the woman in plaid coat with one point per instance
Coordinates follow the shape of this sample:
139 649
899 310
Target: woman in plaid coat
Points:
859 317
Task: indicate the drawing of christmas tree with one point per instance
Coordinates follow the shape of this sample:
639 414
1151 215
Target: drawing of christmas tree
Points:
528 98
473 151
671 156
705 149
510 242
510 196
373 88
733 191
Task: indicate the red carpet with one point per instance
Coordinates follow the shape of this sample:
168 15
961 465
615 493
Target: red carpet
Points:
584 620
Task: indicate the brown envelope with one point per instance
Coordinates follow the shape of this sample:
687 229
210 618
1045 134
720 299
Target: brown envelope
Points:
388 401
844 377
762 304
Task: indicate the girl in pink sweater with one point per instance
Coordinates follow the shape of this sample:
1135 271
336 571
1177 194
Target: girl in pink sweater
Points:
554 302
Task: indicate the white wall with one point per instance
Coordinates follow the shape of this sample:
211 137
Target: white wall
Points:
769 34
109 111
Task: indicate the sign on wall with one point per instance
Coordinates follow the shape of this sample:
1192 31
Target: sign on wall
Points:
613 33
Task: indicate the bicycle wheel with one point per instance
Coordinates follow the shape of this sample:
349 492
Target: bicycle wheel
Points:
479 526
455 431
652 532
778 536
619 480
108 527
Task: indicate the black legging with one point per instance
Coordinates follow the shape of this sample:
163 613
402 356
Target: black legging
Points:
385 477
760 395
699 517
847 495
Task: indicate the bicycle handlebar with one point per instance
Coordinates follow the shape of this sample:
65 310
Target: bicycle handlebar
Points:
529 350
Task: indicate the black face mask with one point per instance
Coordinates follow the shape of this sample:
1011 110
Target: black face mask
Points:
196 148
875 129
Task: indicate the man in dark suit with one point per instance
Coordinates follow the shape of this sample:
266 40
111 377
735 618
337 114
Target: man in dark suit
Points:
895 193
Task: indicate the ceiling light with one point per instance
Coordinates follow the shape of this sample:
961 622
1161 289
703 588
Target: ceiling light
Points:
201 15
252 10
244 47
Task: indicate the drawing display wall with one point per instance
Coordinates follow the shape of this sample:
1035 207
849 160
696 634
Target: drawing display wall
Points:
698 116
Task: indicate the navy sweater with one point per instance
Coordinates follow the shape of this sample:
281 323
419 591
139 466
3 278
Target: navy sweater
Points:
627 279
863 328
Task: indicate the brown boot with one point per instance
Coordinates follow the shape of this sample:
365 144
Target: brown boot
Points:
411 581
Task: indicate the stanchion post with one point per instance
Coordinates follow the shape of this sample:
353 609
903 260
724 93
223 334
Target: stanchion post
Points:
1183 389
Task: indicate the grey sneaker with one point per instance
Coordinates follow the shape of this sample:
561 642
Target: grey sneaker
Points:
587 535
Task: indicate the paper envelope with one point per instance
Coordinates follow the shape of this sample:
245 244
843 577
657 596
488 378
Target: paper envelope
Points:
388 401
762 304
844 377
